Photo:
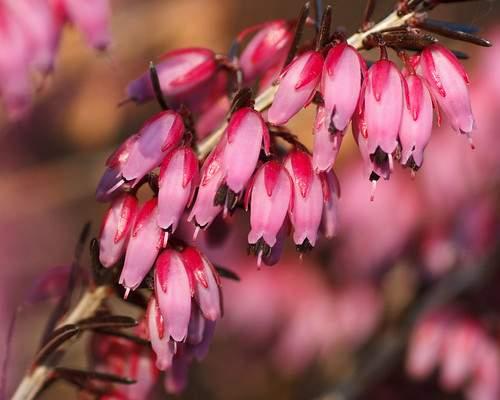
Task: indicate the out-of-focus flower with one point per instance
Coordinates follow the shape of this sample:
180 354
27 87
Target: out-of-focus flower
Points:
326 143
296 88
115 230
448 82
330 220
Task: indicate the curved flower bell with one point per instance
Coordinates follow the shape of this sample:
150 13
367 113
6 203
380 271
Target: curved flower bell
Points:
448 82
340 85
115 230
179 71
267 48
158 135
296 88
416 122
177 183
270 195
246 132
306 206
146 240
326 143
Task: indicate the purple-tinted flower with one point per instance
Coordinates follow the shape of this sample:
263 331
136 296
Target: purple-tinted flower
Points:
163 347
213 172
115 230
245 133
266 49
205 283
177 183
341 85
111 181
179 72
91 17
306 206
331 189
173 291
416 122
296 88
175 380
448 82
145 242
270 196
382 106
326 143
158 135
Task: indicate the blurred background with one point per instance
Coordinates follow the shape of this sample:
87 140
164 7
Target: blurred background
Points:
290 331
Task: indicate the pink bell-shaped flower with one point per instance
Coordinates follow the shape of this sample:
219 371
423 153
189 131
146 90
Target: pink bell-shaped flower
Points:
306 206
173 290
245 133
270 195
331 190
205 283
382 106
448 82
177 182
205 208
145 242
163 347
91 17
341 85
326 143
159 135
416 122
296 88
179 71
267 48
115 230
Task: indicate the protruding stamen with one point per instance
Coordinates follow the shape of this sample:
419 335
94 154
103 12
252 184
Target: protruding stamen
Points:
127 291
165 238
372 191
115 186
259 258
391 162
196 232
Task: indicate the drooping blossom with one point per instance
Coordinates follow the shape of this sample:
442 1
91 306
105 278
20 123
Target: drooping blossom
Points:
115 230
246 133
326 143
307 205
341 85
266 49
270 195
296 87
146 240
449 82
177 182
179 72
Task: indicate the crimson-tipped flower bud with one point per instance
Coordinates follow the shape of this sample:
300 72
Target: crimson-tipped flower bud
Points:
158 135
245 133
296 88
267 48
271 193
146 240
326 143
212 175
178 176
163 347
416 122
179 71
307 203
115 230
448 82
205 283
341 85
173 290
91 17
383 106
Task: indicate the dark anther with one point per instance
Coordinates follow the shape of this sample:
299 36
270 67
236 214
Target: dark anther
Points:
231 200
155 82
411 164
242 98
304 13
367 15
305 247
380 157
153 182
220 196
373 177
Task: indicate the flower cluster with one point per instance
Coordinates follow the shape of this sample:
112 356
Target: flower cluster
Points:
29 39
462 349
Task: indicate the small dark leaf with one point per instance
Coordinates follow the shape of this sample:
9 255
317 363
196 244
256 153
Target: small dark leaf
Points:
83 378
454 26
107 321
155 82
444 30
368 13
54 341
227 273
324 31
101 275
299 29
